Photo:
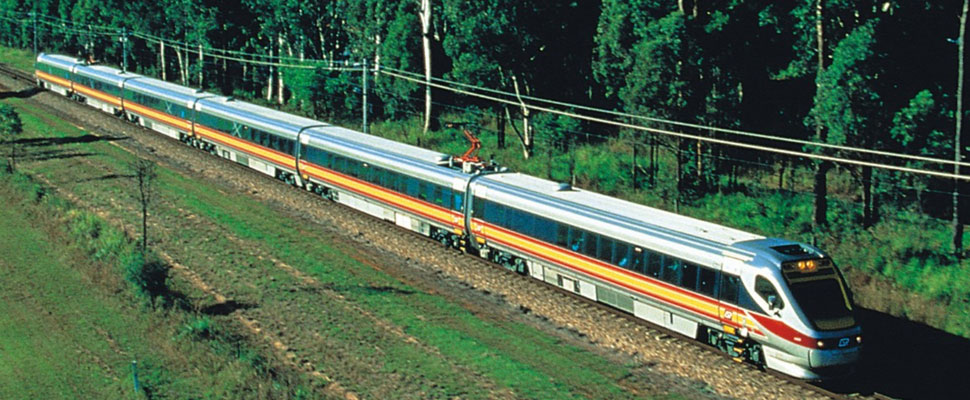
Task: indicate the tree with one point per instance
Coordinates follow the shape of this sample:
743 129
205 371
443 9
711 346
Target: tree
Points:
957 150
10 127
144 174
847 105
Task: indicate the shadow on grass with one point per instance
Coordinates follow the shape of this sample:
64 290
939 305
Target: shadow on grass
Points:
104 178
905 359
21 94
57 141
56 154
225 308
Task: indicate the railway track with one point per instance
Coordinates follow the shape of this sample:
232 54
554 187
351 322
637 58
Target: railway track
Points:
656 347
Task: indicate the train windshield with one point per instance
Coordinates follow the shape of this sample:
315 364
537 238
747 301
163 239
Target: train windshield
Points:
822 295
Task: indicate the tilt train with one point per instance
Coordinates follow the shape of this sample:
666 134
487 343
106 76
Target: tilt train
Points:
776 303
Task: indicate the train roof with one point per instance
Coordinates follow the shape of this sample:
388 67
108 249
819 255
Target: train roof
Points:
58 60
263 118
385 145
691 238
169 91
105 74
402 163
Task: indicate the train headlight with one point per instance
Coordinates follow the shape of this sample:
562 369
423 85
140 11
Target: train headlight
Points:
821 344
858 339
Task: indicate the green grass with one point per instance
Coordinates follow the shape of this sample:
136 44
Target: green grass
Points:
21 59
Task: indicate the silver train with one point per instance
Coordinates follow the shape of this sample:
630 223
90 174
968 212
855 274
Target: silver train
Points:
773 302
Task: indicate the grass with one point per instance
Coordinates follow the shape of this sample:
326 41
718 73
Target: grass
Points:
68 330
350 329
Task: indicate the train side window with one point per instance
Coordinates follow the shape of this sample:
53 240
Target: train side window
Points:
638 260
545 230
654 264
621 255
605 250
459 202
523 223
478 207
576 239
423 190
437 196
707 282
589 244
562 235
729 288
495 213
767 292
688 279
671 272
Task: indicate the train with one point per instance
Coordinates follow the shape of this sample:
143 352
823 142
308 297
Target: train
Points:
775 303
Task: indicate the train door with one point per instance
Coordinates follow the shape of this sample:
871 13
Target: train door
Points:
729 314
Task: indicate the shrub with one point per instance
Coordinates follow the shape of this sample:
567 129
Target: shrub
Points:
148 275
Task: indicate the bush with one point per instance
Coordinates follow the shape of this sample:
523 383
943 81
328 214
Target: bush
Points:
199 328
148 275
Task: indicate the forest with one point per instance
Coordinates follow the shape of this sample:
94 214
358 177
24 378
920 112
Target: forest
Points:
805 85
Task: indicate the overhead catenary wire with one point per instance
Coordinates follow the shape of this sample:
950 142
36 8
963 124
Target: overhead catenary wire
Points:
695 137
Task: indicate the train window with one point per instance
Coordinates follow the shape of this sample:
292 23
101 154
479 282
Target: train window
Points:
494 213
621 255
638 265
767 291
589 244
445 197
575 239
707 282
478 207
459 201
688 279
671 270
513 218
437 195
654 263
410 186
562 235
729 288
545 230
425 190
520 221
605 250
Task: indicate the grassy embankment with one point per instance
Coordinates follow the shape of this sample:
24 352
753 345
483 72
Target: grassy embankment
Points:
71 325
358 326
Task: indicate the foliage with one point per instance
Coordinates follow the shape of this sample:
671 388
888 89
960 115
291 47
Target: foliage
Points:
10 127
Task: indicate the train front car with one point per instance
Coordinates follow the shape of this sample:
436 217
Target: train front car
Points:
802 310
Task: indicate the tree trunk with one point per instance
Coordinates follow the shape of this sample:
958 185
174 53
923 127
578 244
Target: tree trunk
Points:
425 16
501 129
957 150
821 167
269 83
201 65
178 56
279 71
867 216
680 171
161 51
